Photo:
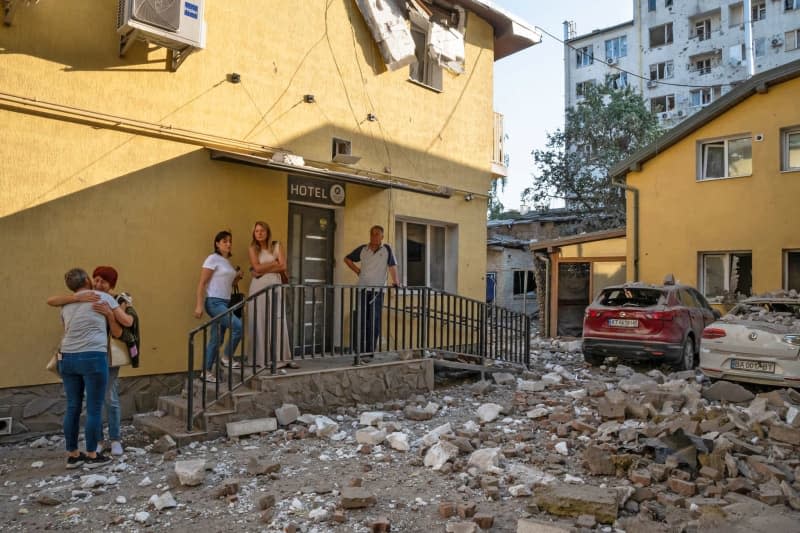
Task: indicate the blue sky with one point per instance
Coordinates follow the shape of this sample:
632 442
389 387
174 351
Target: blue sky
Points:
529 85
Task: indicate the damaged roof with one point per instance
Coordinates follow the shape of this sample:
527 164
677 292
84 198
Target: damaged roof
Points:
511 33
757 84
578 239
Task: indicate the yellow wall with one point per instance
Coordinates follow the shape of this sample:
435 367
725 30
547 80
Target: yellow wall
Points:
73 195
680 217
605 248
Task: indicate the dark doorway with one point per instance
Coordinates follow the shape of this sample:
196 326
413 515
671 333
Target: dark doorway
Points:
311 241
573 297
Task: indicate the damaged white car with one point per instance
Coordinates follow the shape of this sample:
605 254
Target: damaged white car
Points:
758 341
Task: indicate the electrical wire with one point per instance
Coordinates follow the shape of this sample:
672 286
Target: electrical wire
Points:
633 74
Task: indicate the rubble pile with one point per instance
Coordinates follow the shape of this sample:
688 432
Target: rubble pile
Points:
558 447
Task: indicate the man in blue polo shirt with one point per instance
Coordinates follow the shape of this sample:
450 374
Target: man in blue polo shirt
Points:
375 260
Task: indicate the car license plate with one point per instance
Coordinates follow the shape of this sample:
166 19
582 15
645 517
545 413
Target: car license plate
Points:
623 323
755 366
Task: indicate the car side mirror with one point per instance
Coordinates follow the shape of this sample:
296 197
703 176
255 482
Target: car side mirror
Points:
716 313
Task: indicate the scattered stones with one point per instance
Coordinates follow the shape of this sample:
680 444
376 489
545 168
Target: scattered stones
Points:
398 441
439 454
163 501
503 378
577 500
257 467
164 444
371 418
488 412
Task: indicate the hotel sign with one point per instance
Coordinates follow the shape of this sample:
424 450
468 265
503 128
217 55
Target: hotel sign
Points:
315 191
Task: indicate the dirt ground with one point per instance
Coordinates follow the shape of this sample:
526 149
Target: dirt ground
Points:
38 493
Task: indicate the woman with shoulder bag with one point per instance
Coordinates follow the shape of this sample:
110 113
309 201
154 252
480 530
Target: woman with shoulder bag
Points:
217 278
267 265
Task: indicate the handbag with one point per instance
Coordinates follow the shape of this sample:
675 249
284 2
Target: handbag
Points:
236 298
118 354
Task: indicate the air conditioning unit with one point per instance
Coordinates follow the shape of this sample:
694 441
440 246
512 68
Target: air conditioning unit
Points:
777 43
652 84
173 24
612 60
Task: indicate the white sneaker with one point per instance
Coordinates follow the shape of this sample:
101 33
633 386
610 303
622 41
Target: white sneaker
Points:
116 448
99 447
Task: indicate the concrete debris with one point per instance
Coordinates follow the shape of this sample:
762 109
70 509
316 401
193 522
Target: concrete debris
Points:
504 378
398 441
728 392
287 413
371 418
489 411
192 472
439 454
370 435
163 501
324 426
356 498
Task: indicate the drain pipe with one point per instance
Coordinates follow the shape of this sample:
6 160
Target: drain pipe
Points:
635 194
546 259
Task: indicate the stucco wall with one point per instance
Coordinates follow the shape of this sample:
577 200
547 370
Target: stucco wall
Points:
74 195
680 216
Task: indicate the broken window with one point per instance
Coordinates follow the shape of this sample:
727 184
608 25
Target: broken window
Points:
791 149
426 70
791 270
524 282
736 14
617 81
703 66
701 97
661 104
651 5
758 11
661 35
616 48
667 3
584 57
726 274
702 29
760 47
791 4
660 71
421 253
726 158
581 87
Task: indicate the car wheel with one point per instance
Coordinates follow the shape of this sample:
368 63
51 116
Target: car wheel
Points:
593 359
687 359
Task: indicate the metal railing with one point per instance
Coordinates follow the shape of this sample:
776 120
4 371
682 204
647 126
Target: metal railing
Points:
322 321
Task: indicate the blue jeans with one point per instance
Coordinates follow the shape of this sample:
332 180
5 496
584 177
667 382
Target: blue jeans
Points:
215 307
83 371
113 412
370 308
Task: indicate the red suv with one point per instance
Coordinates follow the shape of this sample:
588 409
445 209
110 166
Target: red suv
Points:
640 322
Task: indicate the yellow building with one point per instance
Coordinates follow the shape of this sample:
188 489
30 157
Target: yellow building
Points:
713 201
283 111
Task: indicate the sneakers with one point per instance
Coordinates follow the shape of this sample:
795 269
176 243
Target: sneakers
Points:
116 447
76 462
100 447
96 461
210 377
227 363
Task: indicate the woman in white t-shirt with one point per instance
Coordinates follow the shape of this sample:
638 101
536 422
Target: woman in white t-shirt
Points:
217 278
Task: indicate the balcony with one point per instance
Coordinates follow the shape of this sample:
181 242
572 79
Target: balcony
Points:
499 162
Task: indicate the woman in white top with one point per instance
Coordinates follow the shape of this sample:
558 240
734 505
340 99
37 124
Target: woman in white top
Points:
217 278
267 261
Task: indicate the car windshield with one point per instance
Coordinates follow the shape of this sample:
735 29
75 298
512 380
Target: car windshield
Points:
632 297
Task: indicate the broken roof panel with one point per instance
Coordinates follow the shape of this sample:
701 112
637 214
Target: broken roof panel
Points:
387 23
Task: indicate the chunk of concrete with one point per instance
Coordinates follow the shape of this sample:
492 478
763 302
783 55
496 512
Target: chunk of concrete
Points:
398 441
439 454
249 427
576 500
503 378
727 391
525 525
488 412
370 435
371 418
486 459
191 473
287 413
356 498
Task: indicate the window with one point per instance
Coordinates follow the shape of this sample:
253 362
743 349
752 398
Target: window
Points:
701 97
585 56
758 11
426 70
660 104
617 81
651 5
791 270
760 47
524 282
660 35
581 87
726 273
616 48
736 14
661 71
422 254
668 3
702 29
726 158
791 149
791 4
792 40
703 66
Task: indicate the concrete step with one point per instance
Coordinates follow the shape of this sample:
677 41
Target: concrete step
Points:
156 426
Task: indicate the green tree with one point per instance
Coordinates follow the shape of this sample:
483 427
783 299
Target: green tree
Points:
495 206
604 128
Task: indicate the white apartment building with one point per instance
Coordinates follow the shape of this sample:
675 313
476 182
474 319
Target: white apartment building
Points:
683 54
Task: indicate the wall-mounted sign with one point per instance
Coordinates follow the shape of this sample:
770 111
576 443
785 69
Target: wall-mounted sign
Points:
316 191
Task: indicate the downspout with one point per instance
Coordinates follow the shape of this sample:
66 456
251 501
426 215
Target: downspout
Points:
546 325
635 197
